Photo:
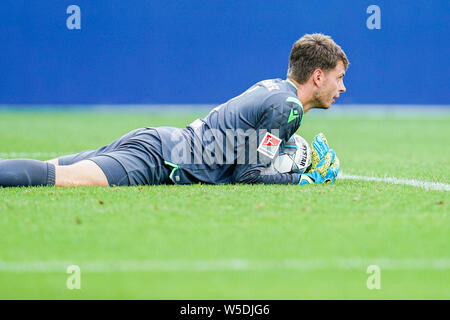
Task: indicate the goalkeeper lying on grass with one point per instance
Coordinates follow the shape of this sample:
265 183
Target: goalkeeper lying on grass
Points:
234 143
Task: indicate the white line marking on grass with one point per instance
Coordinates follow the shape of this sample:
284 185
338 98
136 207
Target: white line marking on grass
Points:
393 180
31 155
437 264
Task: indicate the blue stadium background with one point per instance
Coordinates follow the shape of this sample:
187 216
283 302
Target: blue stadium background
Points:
165 51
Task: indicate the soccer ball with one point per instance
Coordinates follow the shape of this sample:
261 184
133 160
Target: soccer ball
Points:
294 157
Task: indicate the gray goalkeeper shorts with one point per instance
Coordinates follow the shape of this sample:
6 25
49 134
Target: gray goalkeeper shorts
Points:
133 159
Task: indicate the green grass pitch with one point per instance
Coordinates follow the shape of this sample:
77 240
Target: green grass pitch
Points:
231 241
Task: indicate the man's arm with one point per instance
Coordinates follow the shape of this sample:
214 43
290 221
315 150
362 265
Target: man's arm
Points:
259 174
282 118
325 172
324 168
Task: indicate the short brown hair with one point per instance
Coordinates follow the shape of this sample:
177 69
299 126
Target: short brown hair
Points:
311 52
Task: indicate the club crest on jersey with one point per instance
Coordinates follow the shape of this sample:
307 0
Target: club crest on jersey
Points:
269 145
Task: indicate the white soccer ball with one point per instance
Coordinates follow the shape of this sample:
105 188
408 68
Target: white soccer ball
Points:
294 157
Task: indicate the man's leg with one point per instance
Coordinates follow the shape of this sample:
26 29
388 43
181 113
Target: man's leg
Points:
77 157
83 173
27 173
53 161
88 154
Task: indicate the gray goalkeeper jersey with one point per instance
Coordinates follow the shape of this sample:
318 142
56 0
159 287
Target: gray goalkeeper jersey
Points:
235 142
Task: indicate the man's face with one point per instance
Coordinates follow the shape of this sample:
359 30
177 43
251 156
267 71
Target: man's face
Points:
331 86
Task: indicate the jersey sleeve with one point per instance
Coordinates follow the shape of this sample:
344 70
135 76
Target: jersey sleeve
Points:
258 174
281 118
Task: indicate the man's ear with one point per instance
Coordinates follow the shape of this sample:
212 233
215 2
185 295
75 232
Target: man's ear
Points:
318 77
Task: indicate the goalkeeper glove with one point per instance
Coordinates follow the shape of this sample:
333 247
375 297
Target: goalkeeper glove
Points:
319 148
321 158
324 163
325 173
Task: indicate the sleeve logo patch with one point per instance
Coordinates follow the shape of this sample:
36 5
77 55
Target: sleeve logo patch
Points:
269 145
293 115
